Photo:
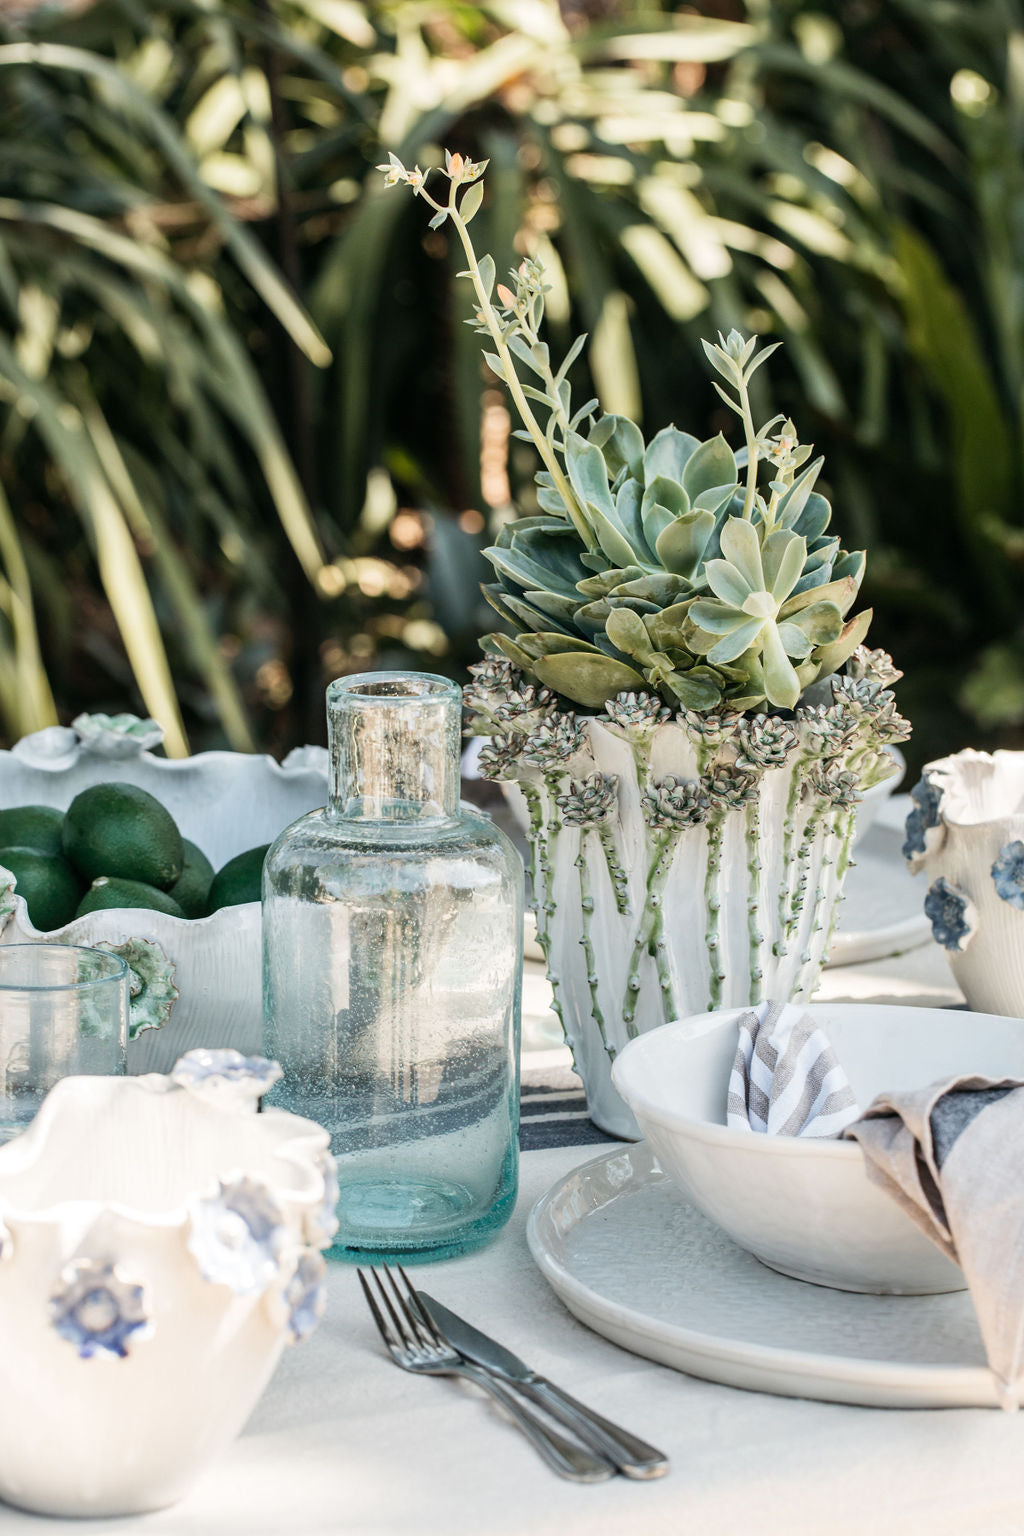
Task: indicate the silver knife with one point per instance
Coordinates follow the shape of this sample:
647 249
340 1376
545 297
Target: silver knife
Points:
632 1456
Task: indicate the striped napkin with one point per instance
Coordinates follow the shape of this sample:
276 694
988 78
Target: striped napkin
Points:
785 1080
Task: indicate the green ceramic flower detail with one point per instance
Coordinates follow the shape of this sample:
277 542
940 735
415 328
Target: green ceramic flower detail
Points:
636 711
553 741
675 802
499 757
728 787
835 784
765 742
590 802
153 993
877 666
712 730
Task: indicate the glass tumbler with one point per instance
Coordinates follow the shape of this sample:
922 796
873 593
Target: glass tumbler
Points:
392 955
63 1013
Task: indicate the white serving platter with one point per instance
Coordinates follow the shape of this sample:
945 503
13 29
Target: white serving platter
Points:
634 1261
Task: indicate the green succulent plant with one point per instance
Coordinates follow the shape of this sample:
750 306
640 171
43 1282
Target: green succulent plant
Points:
677 566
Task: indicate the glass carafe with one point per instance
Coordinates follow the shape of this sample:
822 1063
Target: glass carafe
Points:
392 956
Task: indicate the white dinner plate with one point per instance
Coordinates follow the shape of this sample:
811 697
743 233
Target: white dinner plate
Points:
634 1261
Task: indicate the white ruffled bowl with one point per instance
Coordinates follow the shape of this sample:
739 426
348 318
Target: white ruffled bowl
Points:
803 1206
225 803
160 1245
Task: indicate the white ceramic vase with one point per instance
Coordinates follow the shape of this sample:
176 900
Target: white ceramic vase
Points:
160 1246
224 802
681 863
966 833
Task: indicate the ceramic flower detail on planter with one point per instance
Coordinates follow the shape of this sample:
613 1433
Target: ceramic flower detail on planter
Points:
1008 874
237 1235
951 914
226 1077
677 617
98 1309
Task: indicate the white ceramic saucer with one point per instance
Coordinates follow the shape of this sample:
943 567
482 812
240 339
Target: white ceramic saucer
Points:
631 1259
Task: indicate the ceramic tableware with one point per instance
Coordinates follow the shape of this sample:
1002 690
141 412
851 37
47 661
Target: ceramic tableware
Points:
804 1206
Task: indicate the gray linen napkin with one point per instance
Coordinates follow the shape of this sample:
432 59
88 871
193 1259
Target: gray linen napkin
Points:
785 1079
952 1156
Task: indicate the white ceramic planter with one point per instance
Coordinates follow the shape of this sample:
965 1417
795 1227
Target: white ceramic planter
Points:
966 834
681 864
160 1247
224 802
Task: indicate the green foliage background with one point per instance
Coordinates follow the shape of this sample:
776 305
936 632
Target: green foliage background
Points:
240 417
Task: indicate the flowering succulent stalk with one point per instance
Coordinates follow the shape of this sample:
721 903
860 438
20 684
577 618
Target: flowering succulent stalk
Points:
676 568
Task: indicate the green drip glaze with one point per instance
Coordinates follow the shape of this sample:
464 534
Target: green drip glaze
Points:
754 935
798 899
649 929
780 947
542 874
712 905
616 874
587 909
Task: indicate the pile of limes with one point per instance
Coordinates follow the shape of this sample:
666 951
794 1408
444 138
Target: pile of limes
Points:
116 846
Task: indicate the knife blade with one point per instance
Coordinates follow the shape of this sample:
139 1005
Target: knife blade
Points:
631 1455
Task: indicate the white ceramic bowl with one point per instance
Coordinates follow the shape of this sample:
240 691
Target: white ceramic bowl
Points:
224 802
160 1246
802 1206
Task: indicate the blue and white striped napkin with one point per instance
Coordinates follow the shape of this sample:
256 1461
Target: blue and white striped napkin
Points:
785 1079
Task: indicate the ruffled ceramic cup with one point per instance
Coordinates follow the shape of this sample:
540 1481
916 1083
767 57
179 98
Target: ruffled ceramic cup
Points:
160 1247
966 832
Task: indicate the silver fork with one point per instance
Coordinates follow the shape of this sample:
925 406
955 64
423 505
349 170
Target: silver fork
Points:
415 1345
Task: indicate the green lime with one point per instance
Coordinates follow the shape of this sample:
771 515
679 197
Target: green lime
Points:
192 889
108 891
51 888
240 880
32 826
119 830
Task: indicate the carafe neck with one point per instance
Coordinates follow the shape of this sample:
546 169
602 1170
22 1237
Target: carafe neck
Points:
394 747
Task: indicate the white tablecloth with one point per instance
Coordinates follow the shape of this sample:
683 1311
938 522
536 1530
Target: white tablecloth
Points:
345 1444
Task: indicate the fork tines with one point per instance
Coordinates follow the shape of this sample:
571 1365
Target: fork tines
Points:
410 1327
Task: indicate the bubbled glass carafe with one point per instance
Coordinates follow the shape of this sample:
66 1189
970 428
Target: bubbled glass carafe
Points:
392 955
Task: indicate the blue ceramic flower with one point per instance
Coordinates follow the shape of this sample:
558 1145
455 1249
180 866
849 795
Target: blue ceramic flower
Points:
952 915
322 1221
1008 874
924 817
98 1310
226 1075
305 1295
237 1235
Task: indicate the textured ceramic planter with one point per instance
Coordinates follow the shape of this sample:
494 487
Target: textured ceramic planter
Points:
144 1298
681 863
224 802
966 834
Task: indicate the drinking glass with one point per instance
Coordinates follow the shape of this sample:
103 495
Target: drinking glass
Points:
63 1013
